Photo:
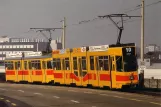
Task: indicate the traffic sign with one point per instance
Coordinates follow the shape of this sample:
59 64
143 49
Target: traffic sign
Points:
142 63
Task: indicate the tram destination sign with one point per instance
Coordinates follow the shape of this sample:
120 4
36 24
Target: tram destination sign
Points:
128 51
98 48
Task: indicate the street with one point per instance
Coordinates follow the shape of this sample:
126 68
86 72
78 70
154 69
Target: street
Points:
26 95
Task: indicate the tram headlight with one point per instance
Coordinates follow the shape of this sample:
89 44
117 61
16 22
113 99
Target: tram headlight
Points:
131 77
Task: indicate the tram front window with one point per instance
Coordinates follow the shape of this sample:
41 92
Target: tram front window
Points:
130 63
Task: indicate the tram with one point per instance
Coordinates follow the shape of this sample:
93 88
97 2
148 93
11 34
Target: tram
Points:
112 66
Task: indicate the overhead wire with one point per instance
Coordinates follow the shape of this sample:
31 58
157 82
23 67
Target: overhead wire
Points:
137 7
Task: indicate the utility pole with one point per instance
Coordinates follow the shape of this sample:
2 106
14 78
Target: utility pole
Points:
64 33
142 43
50 38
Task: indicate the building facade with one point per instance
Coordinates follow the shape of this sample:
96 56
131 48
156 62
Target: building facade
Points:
18 45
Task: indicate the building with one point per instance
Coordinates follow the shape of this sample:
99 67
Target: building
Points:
18 45
153 48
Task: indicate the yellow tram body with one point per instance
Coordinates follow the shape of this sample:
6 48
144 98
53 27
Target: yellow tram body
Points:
99 66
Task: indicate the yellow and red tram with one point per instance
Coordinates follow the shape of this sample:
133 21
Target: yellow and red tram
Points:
113 66
29 69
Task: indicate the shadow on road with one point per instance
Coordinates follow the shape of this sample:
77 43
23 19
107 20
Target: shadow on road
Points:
3 104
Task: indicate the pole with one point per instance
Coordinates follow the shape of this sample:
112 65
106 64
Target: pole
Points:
142 40
64 31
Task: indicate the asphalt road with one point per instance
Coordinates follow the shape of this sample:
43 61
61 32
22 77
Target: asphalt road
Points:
22 95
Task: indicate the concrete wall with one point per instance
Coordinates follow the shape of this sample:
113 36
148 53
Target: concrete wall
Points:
152 73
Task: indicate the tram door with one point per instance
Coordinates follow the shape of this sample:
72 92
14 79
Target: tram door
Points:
18 71
112 70
80 69
44 67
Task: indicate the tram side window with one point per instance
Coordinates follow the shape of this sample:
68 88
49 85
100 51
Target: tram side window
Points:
57 64
103 64
25 65
30 65
119 65
9 65
33 65
43 64
75 65
84 63
38 65
67 64
49 65
91 62
54 64
18 65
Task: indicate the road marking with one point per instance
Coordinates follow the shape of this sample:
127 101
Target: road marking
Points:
135 99
88 92
7 100
21 91
74 101
155 103
1 98
118 96
93 106
13 104
56 97
2 89
104 95
38 94
72 91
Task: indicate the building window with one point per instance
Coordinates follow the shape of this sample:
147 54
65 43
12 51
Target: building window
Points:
21 46
10 46
0 46
4 46
31 46
7 46
28 46
14 46
18 46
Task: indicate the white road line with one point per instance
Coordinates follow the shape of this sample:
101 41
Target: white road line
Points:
104 95
38 94
118 96
88 92
21 91
72 91
155 103
74 101
2 89
56 97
